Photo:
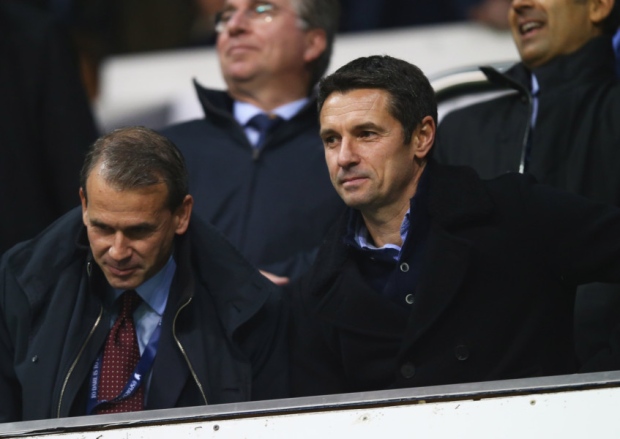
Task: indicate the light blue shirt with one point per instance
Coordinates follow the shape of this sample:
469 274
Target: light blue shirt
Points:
154 293
535 92
616 43
362 237
243 112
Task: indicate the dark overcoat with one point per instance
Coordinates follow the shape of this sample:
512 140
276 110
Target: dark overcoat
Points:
494 299
222 337
274 204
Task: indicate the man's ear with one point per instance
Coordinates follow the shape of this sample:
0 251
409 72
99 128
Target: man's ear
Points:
182 215
316 42
424 137
83 200
600 10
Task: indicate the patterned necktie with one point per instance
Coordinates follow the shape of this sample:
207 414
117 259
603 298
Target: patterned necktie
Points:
120 357
264 124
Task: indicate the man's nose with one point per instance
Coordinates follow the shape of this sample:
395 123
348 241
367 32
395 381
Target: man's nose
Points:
347 155
120 248
519 4
238 22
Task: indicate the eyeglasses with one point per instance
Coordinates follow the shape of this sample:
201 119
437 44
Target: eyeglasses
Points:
261 12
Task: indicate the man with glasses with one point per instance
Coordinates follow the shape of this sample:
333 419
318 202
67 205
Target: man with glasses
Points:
255 160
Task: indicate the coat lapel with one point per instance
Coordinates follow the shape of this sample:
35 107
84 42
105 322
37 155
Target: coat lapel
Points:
457 197
446 263
351 304
170 372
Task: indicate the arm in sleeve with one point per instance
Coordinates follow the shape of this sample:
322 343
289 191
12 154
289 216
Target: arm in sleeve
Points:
580 237
314 363
264 340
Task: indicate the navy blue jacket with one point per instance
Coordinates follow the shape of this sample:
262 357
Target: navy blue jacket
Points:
275 206
576 143
222 337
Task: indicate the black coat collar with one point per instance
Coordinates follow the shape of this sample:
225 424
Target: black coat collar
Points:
340 296
456 196
592 62
217 103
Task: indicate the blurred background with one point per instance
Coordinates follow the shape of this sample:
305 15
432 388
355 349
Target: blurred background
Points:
138 57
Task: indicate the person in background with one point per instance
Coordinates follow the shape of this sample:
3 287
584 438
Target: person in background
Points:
435 276
46 123
129 303
559 123
255 160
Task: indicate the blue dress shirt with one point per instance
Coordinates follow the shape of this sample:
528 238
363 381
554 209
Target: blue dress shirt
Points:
154 294
243 112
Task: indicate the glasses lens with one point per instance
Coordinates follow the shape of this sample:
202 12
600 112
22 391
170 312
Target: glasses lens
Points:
261 10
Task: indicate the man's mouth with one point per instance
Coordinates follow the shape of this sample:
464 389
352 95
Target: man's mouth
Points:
347 181
239 48
121 272
529 27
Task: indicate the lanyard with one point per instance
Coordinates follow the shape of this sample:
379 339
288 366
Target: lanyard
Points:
142 369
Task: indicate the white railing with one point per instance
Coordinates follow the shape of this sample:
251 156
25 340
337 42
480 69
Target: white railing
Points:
575 406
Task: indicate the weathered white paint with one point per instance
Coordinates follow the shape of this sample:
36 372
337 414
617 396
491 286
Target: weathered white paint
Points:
567 407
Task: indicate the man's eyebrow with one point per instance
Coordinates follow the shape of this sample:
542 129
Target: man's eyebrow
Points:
134 227
97 223
326 132
368 126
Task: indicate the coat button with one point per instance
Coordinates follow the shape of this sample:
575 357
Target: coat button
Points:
409 299
461 352
407 370
35 359
404 267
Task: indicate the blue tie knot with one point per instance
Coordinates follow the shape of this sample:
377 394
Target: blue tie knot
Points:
264 124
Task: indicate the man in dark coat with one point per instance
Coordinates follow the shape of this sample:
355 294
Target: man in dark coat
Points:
435 276
208 327
46 123
560 123
268 193
565 132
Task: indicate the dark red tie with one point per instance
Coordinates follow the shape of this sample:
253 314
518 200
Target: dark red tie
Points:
120 357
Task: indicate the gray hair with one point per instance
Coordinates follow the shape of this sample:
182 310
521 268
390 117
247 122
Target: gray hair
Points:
136 157
320 14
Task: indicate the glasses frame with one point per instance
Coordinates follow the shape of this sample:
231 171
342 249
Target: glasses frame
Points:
260 12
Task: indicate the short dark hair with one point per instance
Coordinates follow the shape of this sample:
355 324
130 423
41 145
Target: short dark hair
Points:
136 157
411 95
320 14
